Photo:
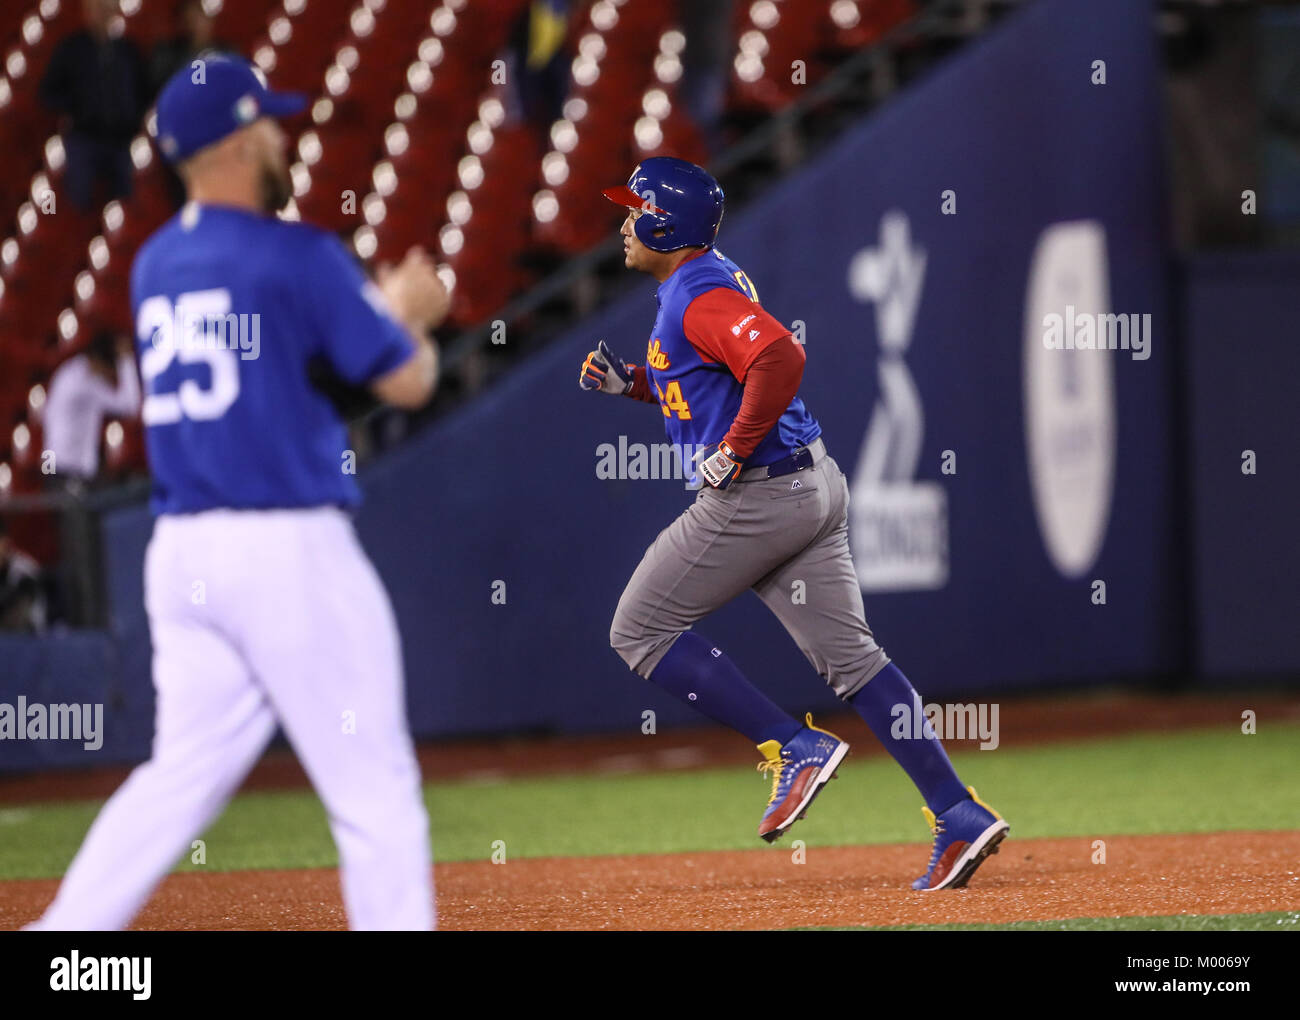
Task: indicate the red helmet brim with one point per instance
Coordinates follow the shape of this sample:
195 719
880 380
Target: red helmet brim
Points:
623 195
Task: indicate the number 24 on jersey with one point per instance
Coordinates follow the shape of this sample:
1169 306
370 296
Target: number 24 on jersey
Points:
671 400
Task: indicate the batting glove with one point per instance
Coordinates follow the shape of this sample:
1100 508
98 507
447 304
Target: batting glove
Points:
718 465
605 372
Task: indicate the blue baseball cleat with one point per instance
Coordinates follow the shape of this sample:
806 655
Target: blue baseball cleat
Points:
799 770
964 836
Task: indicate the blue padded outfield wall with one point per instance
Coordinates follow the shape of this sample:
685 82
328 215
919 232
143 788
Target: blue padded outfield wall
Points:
1244 453
923 331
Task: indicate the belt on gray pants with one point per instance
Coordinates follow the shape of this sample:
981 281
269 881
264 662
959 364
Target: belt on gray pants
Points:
805 456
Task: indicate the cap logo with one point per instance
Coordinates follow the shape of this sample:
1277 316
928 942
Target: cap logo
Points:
246 109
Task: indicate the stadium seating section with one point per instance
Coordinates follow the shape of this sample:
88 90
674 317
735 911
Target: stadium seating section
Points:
410 139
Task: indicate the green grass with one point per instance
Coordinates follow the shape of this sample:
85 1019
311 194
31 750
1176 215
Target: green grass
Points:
1197 781
1278 921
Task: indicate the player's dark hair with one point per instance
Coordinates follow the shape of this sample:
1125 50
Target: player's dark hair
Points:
103 347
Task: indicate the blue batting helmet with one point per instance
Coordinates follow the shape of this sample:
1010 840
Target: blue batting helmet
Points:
681 203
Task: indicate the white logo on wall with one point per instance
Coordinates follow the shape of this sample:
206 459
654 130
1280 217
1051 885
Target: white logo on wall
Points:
1069 399
898 526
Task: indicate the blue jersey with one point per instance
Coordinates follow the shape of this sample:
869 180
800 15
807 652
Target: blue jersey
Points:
229 307
709 329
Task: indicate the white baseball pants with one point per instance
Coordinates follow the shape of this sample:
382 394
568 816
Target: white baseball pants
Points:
258 617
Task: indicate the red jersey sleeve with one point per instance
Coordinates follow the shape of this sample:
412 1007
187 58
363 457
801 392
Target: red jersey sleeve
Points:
773 381
727 328
640 389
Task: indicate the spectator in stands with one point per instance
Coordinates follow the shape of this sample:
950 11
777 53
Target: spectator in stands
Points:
85 389
539 64
194 37
98 83
706 63
22 592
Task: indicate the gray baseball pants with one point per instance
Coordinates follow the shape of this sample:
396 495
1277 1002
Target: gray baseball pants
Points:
786 538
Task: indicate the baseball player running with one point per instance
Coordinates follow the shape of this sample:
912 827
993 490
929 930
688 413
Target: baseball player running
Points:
772 511
263 608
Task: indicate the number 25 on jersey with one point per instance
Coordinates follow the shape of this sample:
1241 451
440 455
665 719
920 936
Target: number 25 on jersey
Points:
192 332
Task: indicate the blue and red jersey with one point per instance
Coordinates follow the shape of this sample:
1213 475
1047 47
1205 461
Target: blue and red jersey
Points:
709 331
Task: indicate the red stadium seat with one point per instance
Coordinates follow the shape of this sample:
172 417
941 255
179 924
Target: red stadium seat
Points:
239 22
678 137
26 443
499 214
347 150
12 17
862 23
109 306
778 34
122 451
314 33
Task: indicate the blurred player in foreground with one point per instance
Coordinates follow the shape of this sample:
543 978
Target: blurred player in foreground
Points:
772 514
263 608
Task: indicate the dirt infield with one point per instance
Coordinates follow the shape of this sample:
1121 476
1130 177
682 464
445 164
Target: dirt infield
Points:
1040 879
1024 721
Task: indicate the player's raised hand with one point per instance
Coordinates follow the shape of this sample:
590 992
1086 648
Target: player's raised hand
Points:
414 291
605 371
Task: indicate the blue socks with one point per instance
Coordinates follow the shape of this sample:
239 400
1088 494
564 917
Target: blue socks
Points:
922 758
698 673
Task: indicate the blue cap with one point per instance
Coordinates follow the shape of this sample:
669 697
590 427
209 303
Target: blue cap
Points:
201 105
